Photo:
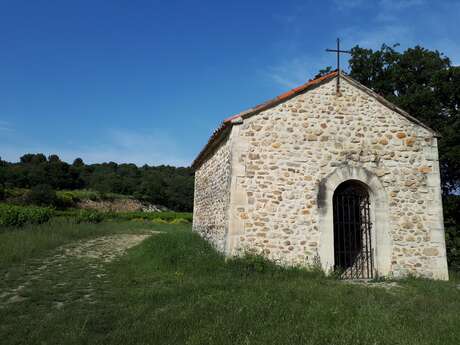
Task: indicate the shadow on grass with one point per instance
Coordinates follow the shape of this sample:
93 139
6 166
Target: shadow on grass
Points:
175 289
192 294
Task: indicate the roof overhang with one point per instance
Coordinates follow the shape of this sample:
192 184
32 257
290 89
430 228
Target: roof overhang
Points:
237 118
221 132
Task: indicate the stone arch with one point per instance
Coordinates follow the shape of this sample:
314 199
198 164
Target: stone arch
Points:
379 216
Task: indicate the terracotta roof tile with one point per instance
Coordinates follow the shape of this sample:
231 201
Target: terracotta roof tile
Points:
258 108
227 123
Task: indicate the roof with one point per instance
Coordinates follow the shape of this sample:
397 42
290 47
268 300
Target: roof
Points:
219 133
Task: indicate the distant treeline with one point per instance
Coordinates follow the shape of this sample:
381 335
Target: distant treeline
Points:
163 185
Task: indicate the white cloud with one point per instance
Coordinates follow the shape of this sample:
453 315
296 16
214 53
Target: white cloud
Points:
397 5
390 25
5 127
394 11
296 67
289 73
293 72
121 146
382 5
450 49
406 22
349 4
389 34
395 23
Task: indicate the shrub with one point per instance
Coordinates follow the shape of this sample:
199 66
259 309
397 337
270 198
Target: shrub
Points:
15 193
97 216
452 228
79 195
251 264
67 195
18 216
64 201
41 195
179 221
159 221
87 194
2 193
158 217
89 216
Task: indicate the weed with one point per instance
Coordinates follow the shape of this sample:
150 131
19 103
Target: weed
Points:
17 216
175 288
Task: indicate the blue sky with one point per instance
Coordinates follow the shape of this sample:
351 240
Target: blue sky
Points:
148 81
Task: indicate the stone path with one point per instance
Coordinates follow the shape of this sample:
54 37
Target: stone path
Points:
62 272
372 284
105 248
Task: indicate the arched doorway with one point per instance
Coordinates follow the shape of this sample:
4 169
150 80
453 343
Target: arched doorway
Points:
353 255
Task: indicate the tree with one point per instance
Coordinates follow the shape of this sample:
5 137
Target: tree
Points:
451 206
32 158
41 195
2 180
3 168
323 72
426 85
78 163
53 158
57 173
163 185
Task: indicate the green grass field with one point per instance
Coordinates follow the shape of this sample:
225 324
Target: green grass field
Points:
174 288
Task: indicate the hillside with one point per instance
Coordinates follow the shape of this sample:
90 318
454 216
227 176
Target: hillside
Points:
171 187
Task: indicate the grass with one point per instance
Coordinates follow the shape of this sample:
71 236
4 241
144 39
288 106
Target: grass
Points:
76 194
165 216
83 194
175 289
30 241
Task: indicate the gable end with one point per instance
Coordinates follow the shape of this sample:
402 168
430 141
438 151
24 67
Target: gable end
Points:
224 128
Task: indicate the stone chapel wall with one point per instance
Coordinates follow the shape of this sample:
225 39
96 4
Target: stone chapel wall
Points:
211 199
293 146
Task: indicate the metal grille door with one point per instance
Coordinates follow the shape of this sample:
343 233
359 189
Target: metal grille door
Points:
352 232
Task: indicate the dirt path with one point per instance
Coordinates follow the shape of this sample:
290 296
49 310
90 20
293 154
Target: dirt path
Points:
70 273
105 248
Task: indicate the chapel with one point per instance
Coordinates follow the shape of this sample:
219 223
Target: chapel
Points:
325 176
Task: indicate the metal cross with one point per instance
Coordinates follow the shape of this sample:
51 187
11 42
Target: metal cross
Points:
338 51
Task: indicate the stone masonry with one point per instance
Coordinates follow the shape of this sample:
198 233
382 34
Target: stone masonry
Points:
212 196
265 180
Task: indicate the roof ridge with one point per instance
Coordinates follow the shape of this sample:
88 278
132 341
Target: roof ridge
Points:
283 96
387 103
213 140
258 108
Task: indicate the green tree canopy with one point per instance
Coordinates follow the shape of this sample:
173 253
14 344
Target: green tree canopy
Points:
426 85
164 185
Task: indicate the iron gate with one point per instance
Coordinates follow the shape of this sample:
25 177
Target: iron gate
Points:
352 232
